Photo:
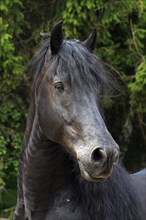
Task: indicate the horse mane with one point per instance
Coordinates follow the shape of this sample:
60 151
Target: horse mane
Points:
75 63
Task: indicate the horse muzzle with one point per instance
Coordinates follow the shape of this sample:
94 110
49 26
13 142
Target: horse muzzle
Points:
98 165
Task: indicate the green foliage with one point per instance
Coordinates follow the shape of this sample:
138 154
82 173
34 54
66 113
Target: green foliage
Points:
76 15
7 201
138 89
10 77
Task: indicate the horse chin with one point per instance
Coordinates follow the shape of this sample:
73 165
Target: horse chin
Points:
90 178
87 176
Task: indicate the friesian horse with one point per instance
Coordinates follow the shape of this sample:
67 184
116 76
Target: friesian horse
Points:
69 167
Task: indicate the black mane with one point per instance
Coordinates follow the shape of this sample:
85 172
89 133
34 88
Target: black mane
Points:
75 63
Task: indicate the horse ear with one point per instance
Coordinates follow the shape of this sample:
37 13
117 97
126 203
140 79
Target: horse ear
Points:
90 43
56 38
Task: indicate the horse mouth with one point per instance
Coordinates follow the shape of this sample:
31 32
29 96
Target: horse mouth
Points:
89 177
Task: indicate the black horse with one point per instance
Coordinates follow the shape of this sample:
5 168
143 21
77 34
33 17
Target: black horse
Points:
69 163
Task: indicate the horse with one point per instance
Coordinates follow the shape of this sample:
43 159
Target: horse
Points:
69 166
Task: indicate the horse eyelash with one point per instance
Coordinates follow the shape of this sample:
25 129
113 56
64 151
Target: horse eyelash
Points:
59 86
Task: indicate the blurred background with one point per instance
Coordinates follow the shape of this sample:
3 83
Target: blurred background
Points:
121 46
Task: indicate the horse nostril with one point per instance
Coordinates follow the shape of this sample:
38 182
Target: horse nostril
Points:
98 154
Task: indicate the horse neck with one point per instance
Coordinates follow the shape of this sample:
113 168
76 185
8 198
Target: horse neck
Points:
44 166
116 198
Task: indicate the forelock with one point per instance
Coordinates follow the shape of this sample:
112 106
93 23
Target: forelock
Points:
83 69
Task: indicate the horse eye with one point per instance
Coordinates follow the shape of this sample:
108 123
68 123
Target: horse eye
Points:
59 86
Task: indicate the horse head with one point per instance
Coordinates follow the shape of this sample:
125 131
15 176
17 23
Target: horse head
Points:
68 104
